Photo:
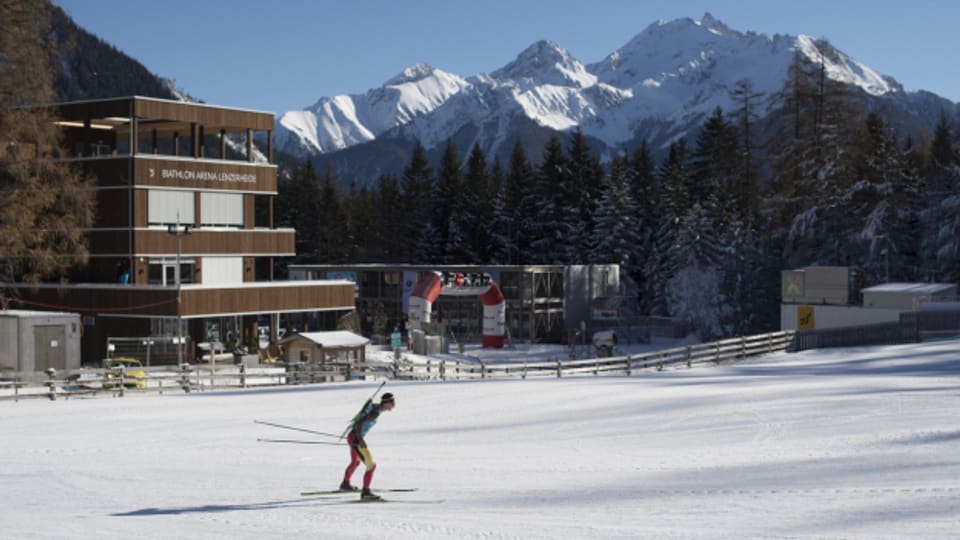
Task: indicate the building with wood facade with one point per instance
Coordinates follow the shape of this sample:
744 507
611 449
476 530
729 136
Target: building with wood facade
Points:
185 241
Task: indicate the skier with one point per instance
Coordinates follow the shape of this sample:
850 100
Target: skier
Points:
358 446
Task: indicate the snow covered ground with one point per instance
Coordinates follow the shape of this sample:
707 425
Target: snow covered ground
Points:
846 443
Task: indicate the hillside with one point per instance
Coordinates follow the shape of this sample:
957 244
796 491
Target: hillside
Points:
89 68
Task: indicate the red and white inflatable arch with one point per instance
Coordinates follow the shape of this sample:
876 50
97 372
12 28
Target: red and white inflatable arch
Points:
430 287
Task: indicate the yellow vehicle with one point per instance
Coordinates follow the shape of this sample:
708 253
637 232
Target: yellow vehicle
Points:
133 374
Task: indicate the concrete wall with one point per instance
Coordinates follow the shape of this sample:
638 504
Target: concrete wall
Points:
9 343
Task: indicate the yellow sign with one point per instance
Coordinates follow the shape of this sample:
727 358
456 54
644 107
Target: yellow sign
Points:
805 319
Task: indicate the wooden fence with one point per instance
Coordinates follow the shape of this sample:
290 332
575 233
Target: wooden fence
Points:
117 382
206 377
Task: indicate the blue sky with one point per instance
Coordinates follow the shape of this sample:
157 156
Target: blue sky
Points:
278 55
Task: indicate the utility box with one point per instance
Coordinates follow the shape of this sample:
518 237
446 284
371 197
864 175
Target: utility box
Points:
832 285
38 340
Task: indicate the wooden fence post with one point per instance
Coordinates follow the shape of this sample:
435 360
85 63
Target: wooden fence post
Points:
483 370
243 376
689 354
628 365
717 358
660 362
524 373
51 384
443 370
185 377
559 368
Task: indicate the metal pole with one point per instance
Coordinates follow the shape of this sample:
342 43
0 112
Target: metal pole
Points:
179 309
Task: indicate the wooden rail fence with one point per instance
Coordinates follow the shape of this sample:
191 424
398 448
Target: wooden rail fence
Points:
53 385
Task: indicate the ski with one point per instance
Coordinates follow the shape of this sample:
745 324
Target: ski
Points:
407 501
298 441
344 491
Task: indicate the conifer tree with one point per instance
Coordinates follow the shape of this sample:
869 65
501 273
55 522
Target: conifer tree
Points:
450 203
664 262
299 202
643 189
745 117
391 241
556 207
476 215
585 178
513 209
333 244
417 188
361 223
616 233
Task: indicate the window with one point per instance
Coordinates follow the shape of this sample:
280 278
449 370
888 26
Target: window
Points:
222 270
221 209
163 271
168 207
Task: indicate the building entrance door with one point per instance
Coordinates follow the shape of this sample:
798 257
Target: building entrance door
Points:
49 348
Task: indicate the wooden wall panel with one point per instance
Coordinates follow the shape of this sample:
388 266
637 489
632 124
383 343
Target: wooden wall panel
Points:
228 242
156 301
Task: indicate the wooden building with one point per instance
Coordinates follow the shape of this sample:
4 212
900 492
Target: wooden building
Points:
185 238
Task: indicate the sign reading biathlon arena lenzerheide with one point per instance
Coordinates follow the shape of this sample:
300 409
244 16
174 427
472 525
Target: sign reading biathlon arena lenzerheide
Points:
201 175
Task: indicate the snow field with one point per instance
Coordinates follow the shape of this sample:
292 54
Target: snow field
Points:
845 443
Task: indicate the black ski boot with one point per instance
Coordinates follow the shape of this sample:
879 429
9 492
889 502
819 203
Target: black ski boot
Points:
367 495
346 486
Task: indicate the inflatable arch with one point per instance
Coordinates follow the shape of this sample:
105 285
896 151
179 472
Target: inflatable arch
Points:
430 287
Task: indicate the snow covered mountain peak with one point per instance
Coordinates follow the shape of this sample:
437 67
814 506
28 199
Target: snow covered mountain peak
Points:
658 86
843 68
545 62
413 73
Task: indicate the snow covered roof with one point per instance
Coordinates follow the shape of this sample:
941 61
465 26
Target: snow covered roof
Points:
911 288
24 313
331 340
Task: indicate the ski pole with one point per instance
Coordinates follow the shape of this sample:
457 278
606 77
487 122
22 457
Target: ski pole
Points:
297 441
365 405
295 428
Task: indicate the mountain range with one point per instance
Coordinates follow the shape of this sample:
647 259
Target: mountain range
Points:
660 86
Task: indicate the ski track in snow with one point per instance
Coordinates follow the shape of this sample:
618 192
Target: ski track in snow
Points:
852 443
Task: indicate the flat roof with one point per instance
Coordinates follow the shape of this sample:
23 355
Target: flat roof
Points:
911 288
332 340
24 313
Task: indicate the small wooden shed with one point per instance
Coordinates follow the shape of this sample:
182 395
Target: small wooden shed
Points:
337 346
